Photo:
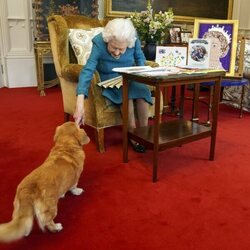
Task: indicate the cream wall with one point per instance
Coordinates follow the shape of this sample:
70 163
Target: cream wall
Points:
17 46
16 36
241 12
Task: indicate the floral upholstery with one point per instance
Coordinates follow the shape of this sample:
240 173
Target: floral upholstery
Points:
81 42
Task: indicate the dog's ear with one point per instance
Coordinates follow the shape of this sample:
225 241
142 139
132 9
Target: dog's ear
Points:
82 137
56 133
86 139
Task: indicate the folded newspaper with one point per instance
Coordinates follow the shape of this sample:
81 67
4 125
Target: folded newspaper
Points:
133 69
111 83
139 69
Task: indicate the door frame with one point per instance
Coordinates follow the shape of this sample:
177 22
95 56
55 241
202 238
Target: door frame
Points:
3 70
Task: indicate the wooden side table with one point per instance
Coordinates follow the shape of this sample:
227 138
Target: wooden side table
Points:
163 135
42 48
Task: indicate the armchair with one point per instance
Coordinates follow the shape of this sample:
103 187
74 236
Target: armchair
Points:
97 113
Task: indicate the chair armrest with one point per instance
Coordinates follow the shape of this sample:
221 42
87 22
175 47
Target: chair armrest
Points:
71 72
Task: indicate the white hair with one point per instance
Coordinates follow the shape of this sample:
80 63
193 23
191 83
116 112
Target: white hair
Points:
120 29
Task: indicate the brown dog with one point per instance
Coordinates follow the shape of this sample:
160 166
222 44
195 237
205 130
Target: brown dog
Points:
38 193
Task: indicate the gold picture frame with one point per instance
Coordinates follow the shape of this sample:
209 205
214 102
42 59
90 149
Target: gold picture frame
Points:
227 29
212 9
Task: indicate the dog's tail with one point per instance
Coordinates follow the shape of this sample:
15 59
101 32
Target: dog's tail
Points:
21 223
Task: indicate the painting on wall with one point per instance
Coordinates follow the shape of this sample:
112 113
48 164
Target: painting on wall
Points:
213 9
223 35
44 8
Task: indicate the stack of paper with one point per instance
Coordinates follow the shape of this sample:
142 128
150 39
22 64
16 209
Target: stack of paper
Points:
147 70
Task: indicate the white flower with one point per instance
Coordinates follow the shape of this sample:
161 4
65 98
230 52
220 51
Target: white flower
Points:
151 26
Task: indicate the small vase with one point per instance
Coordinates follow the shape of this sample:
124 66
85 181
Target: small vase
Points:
149 50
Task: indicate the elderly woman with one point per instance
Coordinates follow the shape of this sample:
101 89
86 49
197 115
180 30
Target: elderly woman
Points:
116 46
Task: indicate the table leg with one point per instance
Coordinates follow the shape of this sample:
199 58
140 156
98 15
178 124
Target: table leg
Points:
125 118
195 111
215 111
182 97
165 99
173 99
157 121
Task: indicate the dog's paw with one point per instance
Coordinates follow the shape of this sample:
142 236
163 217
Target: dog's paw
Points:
76 191
62 196
54 227
58 227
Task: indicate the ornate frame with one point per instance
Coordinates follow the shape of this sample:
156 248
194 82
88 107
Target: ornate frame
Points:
43 8
120 8
231 28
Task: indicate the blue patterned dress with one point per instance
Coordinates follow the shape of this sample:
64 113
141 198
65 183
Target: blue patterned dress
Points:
101 60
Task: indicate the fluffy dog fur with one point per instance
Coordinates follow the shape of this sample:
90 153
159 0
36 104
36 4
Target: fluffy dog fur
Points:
38 193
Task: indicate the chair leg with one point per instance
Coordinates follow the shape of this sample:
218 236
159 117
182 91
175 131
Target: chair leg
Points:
241 101
66 117
99 138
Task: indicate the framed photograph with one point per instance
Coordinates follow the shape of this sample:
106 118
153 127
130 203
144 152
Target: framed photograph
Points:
171 55
199 52
185 36
175 34
212 9
43 9
223 35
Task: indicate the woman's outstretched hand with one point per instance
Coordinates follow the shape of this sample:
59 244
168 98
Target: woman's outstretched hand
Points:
79 112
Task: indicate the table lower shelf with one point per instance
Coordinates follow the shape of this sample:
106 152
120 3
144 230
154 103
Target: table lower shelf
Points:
171 134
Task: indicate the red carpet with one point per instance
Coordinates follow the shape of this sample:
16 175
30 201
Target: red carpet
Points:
196 204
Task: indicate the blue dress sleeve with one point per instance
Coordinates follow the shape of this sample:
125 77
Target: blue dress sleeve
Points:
138 54
87 71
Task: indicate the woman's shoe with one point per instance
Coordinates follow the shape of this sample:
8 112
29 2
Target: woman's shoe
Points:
137 147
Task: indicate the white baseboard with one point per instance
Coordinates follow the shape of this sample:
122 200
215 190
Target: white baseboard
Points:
21 72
